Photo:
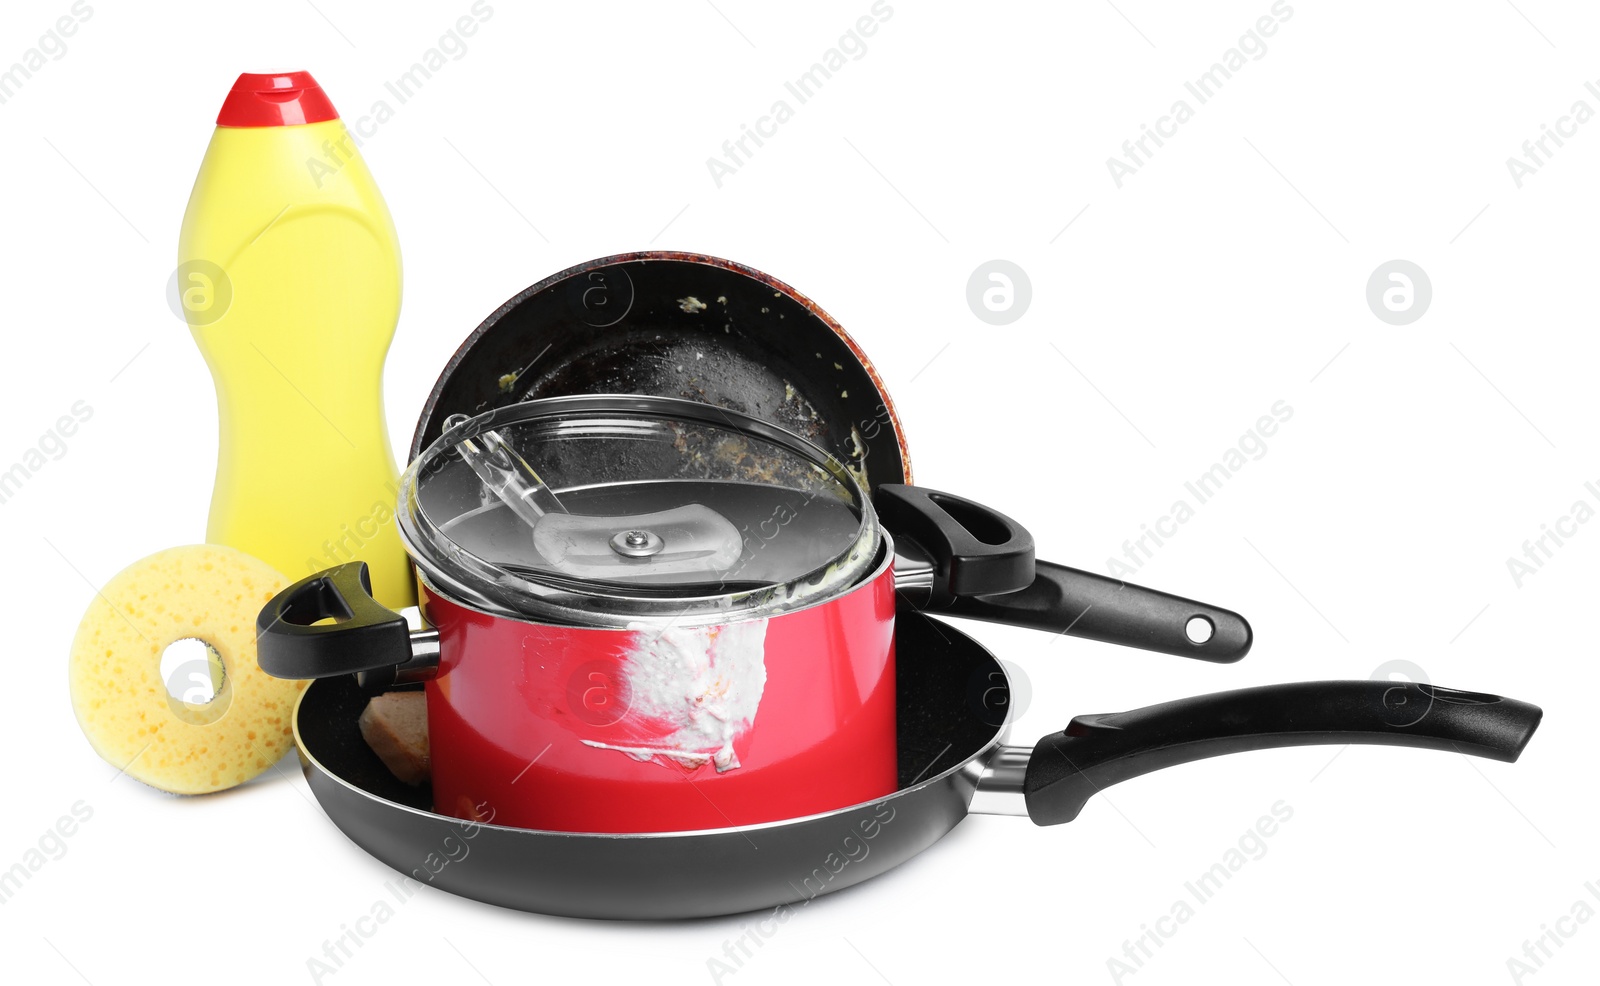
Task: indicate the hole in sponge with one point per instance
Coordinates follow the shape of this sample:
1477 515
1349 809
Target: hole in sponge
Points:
198 689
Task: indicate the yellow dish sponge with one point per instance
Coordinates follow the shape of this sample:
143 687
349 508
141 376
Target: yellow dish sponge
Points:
204 592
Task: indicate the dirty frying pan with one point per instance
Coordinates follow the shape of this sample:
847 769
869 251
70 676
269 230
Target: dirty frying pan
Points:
952 696
694 327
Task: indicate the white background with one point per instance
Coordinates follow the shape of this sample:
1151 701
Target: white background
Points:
1227 274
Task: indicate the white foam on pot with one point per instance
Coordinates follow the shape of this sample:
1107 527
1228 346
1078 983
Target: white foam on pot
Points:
703 682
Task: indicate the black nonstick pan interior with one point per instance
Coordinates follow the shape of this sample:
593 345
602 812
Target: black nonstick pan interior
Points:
678 325
952 698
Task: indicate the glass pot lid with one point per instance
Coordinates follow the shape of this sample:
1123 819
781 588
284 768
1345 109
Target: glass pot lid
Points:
610 510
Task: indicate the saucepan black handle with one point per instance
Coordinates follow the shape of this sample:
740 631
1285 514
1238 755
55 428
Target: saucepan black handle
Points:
291 642
1083 604
970 549
1096 751
983 568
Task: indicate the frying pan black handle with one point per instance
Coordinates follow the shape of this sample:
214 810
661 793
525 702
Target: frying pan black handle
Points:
1096 751
1065 600
366 635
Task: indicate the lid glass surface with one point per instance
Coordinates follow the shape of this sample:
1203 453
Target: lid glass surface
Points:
610 510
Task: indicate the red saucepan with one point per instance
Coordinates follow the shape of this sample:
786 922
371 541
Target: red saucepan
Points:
627 593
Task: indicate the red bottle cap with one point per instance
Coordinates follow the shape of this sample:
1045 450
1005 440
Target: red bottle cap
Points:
280 99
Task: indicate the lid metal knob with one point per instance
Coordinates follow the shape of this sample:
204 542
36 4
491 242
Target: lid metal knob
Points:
636 544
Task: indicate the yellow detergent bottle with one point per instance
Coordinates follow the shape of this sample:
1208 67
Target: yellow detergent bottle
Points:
289 277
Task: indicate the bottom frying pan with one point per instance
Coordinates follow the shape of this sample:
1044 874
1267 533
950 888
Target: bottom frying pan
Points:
953 696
